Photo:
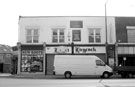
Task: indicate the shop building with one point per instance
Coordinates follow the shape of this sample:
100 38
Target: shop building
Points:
125 41
41 38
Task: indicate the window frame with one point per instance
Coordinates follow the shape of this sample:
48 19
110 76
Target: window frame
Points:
32 35
59 37
129 36
94 35
99 63
73 37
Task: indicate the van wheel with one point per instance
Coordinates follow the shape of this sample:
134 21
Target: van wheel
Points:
106 75
68 75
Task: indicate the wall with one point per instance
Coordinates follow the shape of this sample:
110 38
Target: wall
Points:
121 30
47 23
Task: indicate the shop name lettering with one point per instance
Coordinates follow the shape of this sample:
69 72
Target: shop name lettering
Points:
61 50
32 52
85 50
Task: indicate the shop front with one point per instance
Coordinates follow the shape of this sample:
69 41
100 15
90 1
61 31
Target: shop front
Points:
51 51
39 59
126 55
98 51
32 59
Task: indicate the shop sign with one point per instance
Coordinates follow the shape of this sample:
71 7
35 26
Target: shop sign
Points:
57 50
89 49
30 52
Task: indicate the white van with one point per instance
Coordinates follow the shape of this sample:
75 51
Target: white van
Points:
69 65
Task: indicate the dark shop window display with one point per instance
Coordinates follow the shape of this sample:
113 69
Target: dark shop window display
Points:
32 61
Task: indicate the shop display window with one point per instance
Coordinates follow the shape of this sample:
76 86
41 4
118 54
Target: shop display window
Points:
32 62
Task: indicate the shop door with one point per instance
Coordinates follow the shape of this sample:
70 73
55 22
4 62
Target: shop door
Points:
50 64
14 70
1 67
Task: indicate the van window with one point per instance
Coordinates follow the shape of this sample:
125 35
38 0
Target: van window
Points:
99 63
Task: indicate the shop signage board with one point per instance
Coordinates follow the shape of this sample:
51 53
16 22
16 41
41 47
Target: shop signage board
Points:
89 49
32 52
126 50
58 50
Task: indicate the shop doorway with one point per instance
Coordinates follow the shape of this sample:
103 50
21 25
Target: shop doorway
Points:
50 64
14 68
126 61
1 67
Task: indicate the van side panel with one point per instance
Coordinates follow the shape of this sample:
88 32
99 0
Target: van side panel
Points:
77 65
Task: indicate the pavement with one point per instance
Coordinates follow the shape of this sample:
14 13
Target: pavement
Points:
33 76
5 74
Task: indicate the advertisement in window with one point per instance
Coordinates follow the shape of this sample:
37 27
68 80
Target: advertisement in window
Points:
32 61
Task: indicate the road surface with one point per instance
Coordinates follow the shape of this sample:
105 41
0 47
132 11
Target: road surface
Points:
16 82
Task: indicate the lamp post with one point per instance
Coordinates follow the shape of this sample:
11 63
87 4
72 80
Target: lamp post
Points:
106 43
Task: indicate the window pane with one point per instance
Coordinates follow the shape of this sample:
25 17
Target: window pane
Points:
32 63
35 39
61 32
55 39
98 62
76 24
35 32
61 39
55 36
131 35
91 32
29 39
98 39
29 32
97 32
91 39
76 35
54 32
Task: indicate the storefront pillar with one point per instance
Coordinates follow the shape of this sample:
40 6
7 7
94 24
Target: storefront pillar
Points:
116 54
19 57
72 47
44 59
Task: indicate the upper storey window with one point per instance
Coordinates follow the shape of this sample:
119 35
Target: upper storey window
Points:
76 26
58 36
94 35
32 35
131 34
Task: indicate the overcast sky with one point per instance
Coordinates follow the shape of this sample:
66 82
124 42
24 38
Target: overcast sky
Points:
11 9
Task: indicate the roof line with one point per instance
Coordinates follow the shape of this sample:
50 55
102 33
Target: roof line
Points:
67 16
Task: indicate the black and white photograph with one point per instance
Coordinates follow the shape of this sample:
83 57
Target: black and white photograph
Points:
67 43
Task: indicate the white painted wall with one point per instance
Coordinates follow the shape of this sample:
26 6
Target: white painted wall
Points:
47 23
